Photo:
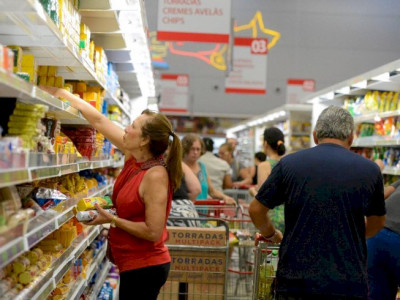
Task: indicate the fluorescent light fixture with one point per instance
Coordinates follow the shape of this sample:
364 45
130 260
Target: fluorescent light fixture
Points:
382 77
361 84
344 90
153 107
328 96
235 129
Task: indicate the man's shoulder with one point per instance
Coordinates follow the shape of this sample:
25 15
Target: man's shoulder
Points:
211 158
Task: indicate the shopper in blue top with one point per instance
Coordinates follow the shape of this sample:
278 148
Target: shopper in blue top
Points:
193 148
384 251
333 200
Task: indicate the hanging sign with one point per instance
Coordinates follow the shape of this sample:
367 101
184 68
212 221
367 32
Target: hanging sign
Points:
298 89
194 20
174 93
249 74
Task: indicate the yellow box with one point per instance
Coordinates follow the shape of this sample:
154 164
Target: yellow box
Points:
28 60
59 82
42 80
42 71
51 81
32 73
81 87
51 70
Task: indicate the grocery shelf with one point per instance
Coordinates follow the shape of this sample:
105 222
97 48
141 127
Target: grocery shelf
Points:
25 23
391 171
370 117
374 141
100 280
17 176
39 228
46 282
14 87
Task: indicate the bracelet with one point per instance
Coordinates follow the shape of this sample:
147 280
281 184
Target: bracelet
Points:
272 237
112 223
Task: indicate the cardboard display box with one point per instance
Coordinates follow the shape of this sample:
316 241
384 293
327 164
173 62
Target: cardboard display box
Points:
193 236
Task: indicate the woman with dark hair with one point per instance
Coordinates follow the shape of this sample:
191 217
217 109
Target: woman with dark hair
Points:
259 157
142 196
274 148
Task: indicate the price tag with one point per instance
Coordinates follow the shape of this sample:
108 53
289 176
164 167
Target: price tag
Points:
259 46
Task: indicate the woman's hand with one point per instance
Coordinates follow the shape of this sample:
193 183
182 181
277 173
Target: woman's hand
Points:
253 191
229 200
55 91
102 218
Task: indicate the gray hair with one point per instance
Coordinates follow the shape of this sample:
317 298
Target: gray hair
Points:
334 122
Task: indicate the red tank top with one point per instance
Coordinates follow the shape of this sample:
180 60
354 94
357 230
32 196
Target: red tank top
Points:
131 252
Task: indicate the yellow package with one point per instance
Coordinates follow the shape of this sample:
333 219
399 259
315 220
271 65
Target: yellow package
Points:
80 87
59 82
51 81
51 70
28 60
88 203
18 53
42 71
42 80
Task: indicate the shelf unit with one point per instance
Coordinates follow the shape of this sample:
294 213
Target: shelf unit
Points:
40 227
48 280
250 132
384 78
25 23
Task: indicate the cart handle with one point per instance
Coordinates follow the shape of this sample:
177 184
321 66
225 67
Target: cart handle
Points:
209 202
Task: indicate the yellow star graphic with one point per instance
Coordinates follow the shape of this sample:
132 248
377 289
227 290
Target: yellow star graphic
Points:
252 25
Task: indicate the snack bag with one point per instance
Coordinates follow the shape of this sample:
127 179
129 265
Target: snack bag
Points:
89 215
88 203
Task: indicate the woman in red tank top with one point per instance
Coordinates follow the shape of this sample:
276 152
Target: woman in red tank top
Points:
142 196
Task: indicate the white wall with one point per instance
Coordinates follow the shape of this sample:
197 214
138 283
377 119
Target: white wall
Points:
328 41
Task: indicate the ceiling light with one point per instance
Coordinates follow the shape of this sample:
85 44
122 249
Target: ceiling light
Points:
328 96
382 77
361 84
344 90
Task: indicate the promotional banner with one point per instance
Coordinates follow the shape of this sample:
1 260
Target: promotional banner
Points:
194 20
174 93
249 74
298 89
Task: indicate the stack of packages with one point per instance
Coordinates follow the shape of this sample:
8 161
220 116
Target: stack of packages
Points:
84 140
25 122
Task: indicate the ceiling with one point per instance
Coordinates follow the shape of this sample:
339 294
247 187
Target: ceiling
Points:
328 41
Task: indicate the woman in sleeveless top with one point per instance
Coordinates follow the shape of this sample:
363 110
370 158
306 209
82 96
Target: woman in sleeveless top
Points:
274 148
193 148
142 196
259 157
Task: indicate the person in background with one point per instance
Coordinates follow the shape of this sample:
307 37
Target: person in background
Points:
384 251
217 169
333 201
142 196
193 147
233 142
259 157
240 174
274 147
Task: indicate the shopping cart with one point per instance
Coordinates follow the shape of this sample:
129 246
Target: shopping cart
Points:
239 194
265 265
199 261
241 241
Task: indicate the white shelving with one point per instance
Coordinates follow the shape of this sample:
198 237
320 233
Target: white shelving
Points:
25 23
40 227
47 281
17 176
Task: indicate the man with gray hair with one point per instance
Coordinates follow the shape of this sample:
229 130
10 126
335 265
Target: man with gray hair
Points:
333 201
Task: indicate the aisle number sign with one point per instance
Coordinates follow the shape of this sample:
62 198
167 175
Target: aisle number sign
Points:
249 74
298 89
174 93
194 20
